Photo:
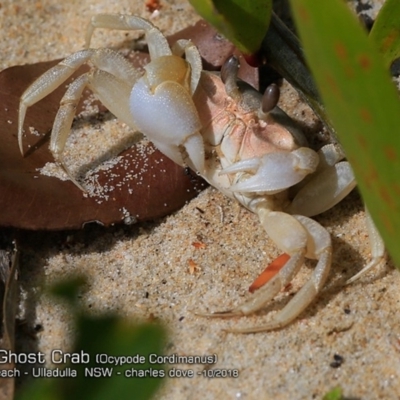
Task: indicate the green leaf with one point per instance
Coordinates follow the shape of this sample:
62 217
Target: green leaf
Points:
115 337
334 394
243 22
111 336
362 103
386 31
69 289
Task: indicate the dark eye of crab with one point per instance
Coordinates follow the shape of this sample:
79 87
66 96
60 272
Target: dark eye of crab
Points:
270 98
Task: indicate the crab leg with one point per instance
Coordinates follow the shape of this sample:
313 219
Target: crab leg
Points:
299 237
333 181
267 292
291 237
377 247
324 190
63 121
157 43
329 155
99 82
47 83
193 57
111 81
105 60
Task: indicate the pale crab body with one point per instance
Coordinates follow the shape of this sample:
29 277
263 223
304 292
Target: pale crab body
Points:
234 137
236 129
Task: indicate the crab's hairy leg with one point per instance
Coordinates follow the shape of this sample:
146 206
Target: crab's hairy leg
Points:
274 171
330 155
103 59
47 83
377 248
265 294
333 181
324 190
111 91
169 118
193 57
114 63
63 121
319 247
114 94
168 68
158 45
291 237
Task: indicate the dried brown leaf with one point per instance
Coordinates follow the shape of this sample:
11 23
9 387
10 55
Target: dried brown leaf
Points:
9 301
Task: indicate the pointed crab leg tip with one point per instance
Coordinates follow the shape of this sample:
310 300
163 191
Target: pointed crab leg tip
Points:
21 120
21 149
71 178
220 314
247 331
355 278
78 185
20 145
367 268
238 331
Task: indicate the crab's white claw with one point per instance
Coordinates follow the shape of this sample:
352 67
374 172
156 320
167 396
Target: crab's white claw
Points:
168 117
274 171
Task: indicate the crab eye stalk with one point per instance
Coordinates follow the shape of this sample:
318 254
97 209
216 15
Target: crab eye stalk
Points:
230 69
229 72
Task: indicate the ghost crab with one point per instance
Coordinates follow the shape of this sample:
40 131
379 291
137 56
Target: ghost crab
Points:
234 137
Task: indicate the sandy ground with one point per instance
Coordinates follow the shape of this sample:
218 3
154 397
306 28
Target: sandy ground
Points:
144 270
